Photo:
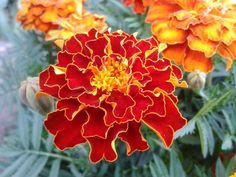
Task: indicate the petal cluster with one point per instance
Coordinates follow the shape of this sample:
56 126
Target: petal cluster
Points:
76 22
43 15
195 30
107 86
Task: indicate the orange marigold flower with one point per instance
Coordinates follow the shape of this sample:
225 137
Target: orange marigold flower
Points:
74 23
195 30
108 85
41 15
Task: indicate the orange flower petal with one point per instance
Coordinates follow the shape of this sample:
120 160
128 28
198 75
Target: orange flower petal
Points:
197 61
168 34
207 47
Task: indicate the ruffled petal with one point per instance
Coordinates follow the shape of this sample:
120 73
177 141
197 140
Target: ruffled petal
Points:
95 126
105 148
134 139
68 137
120 103
166 126
78 79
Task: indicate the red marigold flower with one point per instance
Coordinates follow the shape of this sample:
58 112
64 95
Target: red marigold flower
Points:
107 86
195 30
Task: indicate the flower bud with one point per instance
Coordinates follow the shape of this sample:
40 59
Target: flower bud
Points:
197 79
41 103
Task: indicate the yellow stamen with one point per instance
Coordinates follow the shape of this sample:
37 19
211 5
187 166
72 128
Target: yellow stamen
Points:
113 74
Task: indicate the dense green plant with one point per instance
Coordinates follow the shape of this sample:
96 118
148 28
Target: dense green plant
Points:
28 150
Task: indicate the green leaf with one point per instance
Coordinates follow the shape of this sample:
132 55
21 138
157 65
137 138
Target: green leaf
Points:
37 131
220 170
25 166
231 167
37 167
54 172
23 125
74 171
176 169
14 166
160 167
206 137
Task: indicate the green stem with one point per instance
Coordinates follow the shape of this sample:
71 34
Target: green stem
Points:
62 157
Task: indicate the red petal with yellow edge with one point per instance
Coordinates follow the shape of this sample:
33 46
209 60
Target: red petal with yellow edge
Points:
138 67
158 106
116 45
160 11
43 77
66 92
166 126
133 138
81 61
205 32
121 103
207 47
71 136
197 61
64 58
175 52
105 148
161 64
159 80
78 79
130 49
55 79
141 102
90 99
177 72
95 126
98 46
56 121
71 106
73 45
167 34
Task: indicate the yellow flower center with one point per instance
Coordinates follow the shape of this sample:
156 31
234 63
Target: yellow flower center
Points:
112 74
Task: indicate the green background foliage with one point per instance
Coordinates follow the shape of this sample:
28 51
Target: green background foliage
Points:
28 151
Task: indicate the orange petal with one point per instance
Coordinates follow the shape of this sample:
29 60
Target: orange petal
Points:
160 11
207 47
167 34
210 31
175 52
197 61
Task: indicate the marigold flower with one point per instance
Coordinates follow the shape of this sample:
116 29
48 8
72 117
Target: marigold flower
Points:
233 175
195 30
74 23
42 15
107 86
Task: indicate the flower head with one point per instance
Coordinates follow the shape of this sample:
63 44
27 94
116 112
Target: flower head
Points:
195 30
76 22
107 86
42 15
